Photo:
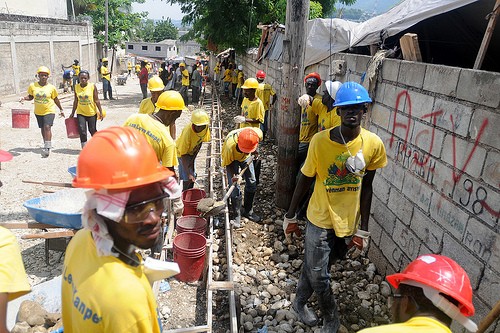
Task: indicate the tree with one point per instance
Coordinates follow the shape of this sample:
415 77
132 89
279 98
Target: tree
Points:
122 23
233 23
165 29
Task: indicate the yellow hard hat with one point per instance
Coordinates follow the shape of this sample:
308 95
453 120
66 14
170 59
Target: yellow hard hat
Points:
103 114
104 59
200 117
182 64
43 69
155 84
250 83
171 101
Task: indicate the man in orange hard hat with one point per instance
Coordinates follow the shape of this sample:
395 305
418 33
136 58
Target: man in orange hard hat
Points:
430 292
106 284
236 154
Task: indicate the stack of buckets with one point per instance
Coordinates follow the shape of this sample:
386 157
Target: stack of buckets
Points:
20 118
190 244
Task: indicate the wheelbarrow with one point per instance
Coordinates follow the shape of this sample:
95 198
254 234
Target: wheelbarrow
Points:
61 209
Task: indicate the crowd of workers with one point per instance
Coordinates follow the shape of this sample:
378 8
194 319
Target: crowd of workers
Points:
333 190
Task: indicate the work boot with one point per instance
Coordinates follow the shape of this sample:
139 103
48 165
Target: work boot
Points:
248 208
328 307
45 152
306 315
236 211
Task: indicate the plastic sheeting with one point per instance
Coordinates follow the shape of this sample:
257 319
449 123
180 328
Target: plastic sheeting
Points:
328 36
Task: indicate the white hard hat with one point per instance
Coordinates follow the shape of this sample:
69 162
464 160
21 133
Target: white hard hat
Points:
240 67
332 87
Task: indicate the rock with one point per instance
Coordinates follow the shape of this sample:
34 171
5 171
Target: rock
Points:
273 290
385 289
30 308
52 319
21 327
372 288
248 326
38 329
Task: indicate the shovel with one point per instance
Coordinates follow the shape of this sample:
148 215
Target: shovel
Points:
48 183
209 207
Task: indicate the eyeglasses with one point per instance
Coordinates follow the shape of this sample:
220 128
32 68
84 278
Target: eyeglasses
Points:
139 212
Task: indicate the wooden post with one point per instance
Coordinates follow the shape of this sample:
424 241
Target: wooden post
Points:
410 48
297 13
487 36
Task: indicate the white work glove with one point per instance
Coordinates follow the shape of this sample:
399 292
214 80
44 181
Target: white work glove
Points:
359 244
290 227
305 100
239 119
178 206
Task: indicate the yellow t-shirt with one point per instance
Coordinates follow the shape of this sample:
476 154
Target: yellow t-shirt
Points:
149 67
264 93
147 106
137 67
185 77
157 135
327 119
334 203
43 98
309 119
189 141
13 278
76 69
105 73
252 110
129 66
102 294
217 69
229 152
234 77
86 106
240 79
227 75
413 325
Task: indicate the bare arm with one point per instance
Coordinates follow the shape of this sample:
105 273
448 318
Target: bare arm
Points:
300 191
56 100
97 101
366 198
75 105
4 297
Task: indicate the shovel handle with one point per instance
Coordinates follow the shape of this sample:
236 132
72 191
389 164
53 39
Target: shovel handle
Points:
48 183
233 185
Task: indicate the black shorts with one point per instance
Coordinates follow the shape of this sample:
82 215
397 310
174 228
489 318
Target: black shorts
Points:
48 119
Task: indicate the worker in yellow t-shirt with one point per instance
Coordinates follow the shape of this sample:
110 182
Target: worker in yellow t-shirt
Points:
154 126
106 80
189 144
234 81
184 83
216 73
129 68
252 109
137 69
228 74
45 98
342 161
264 93
327 117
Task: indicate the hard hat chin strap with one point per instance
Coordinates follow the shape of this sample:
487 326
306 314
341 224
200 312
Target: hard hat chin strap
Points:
444 305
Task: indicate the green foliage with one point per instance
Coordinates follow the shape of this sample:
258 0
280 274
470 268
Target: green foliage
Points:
154 32
122 23
316 10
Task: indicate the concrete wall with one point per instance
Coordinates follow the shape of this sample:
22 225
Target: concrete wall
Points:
26 45
440 192
167 50
39 8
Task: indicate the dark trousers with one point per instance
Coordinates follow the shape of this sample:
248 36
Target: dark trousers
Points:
144 90
83 123
106 89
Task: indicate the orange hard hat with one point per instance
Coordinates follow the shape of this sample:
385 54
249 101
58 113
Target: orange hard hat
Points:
313 75
118 158
441 274
248 140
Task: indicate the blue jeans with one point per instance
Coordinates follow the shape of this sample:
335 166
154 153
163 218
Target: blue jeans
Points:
321 248
184 174
106 88
250 181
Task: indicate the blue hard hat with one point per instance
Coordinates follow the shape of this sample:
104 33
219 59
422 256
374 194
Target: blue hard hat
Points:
351 93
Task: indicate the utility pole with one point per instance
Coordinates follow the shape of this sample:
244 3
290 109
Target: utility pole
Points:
297 13
106 5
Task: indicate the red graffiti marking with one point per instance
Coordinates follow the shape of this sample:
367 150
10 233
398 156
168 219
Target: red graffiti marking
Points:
433 115
457 176
395 124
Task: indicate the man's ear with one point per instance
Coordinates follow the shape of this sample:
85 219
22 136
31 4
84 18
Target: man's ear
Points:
338 111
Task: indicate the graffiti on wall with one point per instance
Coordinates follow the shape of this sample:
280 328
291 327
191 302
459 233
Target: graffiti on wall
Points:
419 160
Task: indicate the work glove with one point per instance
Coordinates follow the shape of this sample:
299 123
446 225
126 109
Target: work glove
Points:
290 227
359 244
239 119
305 100
236 179
178 207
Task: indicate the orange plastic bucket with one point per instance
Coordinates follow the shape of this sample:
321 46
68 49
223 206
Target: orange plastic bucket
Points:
20 118
72 128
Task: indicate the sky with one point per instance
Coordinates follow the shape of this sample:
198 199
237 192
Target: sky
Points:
158 10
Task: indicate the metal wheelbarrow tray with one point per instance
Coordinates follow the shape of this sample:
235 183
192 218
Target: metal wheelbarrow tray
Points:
61 209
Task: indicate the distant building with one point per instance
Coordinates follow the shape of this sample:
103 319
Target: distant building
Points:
188 48
162 50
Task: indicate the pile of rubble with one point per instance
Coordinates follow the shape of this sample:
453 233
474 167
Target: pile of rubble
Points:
33 318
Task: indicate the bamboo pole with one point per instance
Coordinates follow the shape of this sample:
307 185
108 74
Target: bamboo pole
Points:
487 36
